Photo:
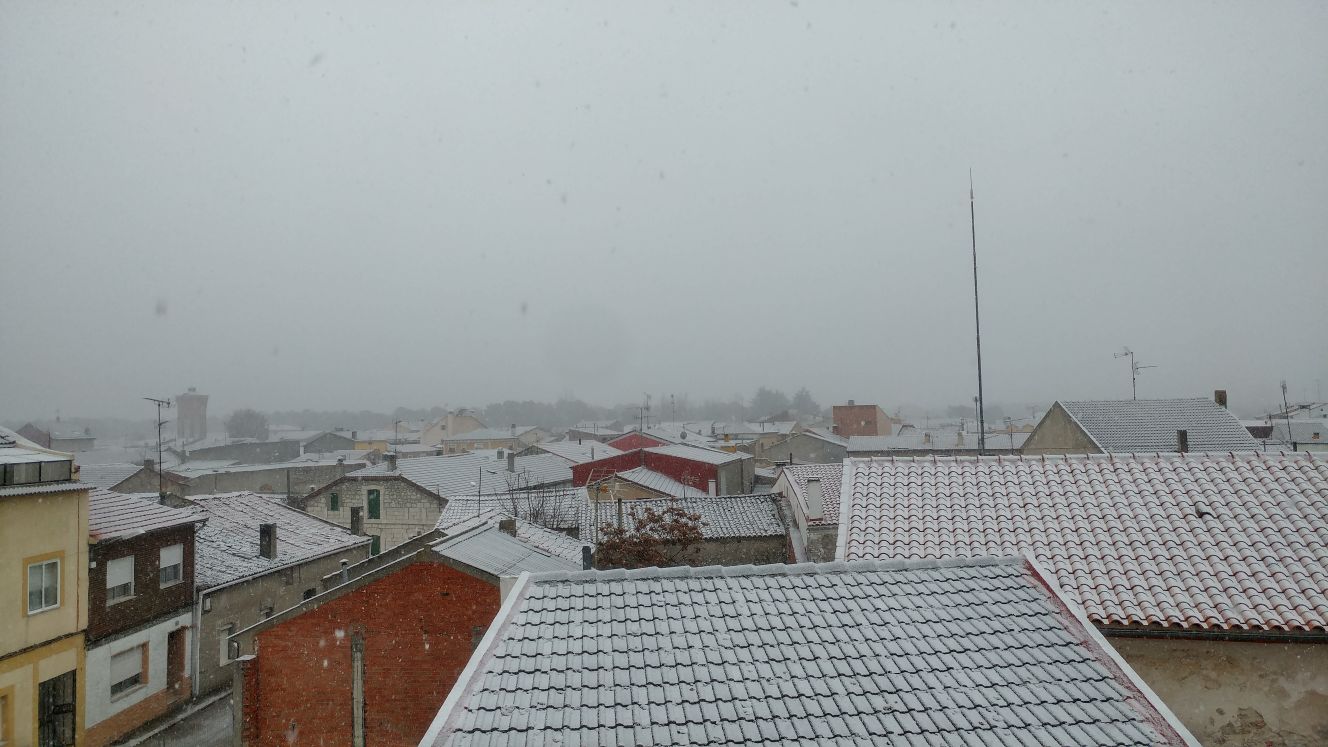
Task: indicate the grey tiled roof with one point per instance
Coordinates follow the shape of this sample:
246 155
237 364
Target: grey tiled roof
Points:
579 453
462 474
935 440
489 434
1150 424
106 475
493 551
723 516
973 653
1201 541
657 481
830 475
227 545
114 515
698 453
551 542
555 508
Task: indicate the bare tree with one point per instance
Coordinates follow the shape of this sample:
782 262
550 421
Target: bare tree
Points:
247 423
650 537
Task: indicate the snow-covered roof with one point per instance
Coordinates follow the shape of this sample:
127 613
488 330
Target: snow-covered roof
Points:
490 434
1143 425
555 508
830 476
698 454
107 475
935 440
722 516
481 471
113 516
977 652
1208 541
656 481
545 540
227 546
578 452
1301 431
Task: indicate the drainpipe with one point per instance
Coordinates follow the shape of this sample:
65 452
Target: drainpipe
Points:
194 644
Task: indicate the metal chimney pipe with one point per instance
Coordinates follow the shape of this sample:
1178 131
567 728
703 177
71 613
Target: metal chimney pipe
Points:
1182 441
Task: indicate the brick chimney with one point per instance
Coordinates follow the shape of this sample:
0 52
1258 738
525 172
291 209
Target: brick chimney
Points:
815 499
150 464
511 461
267 541
1182 441
357 520
1220 397
507 526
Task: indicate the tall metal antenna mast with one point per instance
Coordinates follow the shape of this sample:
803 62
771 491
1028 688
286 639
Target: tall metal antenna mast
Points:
1135 368
161 476
977 316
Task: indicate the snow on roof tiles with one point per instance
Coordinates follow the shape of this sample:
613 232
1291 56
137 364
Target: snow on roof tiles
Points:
579 452
884 653
722 516
555 508
107 475
698 454
114 515
495 552
830 475
462 474
227 545
1231 542
547 540
1151 424
490 434
657 481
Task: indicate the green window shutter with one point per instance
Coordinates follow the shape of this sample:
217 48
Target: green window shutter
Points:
334 503
376 546
375 505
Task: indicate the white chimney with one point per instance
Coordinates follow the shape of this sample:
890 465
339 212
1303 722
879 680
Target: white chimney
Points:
815 499
711 489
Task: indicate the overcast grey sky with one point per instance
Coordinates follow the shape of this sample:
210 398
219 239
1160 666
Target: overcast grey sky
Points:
352 205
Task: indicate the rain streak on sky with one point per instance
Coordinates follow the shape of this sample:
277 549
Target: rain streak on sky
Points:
367 205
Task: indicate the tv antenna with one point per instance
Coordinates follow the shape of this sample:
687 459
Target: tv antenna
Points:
977 318
1135 368
161 473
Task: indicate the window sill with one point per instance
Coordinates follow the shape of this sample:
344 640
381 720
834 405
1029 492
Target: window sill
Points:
31 613
173 583
127 693
120 600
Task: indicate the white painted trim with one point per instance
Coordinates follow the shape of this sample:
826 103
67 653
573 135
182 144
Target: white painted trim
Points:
461 689
1097 639
845 509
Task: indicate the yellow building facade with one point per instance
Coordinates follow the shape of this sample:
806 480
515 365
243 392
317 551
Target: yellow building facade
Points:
43 599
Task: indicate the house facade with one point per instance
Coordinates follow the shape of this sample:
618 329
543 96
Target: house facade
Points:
140 605
1139 426
43 575
807 447
256 557
368 661
695 467
853 419
512 438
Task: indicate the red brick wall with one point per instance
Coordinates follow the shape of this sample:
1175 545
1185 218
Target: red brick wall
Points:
150 601
861 420
602 468
685 471
419 630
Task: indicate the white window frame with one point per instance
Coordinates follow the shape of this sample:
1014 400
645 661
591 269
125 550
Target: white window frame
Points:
119 597
141 676
42 564
162 567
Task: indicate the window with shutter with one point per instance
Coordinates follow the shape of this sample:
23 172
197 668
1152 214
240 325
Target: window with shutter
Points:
172 565
120 579
126 670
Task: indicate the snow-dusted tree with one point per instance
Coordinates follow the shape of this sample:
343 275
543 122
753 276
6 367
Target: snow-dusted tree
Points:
650 537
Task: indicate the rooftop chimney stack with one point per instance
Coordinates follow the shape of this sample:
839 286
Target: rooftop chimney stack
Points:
711 489
357 521
851 403
149 463
267 541
1220 397
815 499
507 526
511 461
391 457
587 558
513 429
345 571
1182 441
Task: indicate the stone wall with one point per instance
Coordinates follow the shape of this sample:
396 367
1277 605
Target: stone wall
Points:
299 480
1057 433
406 511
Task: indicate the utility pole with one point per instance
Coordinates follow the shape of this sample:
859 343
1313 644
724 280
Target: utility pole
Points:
1135 368
977 317
161 477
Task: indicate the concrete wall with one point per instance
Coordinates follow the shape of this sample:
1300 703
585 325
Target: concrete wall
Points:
109 717
743 550
1235 693
1057 433
258 452
242 604
302 480
148 481
804 449
406 512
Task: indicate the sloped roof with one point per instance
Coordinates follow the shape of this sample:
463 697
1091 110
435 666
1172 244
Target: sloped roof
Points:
227 546
495 552
547 540
698 453
657 481
1229 542
555 508
722 516
1302 431
113 516
490 434
107 475
825 434
830 475
937 440
462 474
1142 425
578 452
971 653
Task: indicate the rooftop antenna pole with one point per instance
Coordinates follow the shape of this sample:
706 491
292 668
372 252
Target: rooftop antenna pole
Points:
977 317
161 476
1135 368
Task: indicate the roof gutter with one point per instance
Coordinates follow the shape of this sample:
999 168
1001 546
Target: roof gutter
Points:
209 589
1251 636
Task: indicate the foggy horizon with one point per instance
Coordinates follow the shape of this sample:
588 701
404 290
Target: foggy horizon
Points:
451 205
